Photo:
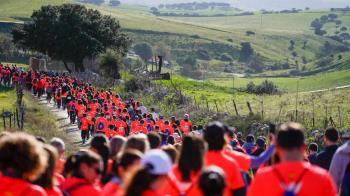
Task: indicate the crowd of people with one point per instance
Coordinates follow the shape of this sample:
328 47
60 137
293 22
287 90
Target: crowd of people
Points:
135 151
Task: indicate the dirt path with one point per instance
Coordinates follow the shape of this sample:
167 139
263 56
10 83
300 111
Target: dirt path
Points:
72 130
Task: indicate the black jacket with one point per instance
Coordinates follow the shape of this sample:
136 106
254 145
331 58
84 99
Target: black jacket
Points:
324 158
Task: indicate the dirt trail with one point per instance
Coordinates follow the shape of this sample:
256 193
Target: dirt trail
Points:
72 130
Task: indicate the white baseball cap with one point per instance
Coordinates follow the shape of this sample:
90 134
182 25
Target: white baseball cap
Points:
158 161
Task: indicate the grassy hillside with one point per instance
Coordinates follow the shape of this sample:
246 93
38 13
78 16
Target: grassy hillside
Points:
186 35
277 108
14 10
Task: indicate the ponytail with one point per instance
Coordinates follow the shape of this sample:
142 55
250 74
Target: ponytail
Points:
140 182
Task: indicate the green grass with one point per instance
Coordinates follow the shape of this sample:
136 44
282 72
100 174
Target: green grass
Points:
277 108
38 120
271 39
316 82
205 12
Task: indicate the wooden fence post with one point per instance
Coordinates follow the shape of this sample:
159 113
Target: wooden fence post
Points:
250 108
235 106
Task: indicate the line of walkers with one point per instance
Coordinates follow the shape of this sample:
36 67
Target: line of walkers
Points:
134 151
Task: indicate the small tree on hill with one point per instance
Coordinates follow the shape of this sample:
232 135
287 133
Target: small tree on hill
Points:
71 33
110 63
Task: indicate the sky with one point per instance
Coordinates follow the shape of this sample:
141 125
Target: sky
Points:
258 4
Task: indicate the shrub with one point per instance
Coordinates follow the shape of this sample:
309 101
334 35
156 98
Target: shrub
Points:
225 57
266 87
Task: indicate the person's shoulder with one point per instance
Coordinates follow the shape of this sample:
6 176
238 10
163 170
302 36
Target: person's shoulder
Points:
35 190
315 170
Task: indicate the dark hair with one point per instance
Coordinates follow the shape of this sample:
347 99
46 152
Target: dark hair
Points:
100 144
171 151
84 156
141 181
154 140
331 134
212 181
214 136
191 156
46 180
313 147
171 140
250 139
117 144
290 135
125 160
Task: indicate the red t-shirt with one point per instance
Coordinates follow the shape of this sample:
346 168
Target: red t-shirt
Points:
315 181
53 192
17 187
85 188
243 160
229 166
174 184
84 124
185 126
101 124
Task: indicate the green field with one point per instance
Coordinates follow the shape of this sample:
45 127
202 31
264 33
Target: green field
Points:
273 31
277 108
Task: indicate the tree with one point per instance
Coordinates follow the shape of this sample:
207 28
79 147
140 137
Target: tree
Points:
294 54
114 3
316 24
343 28
320 32
324 19
332 16
71 33
155 11
110 63
144 50
246 52
304 45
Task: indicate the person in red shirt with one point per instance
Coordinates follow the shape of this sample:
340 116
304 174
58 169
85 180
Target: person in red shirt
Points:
167 129
86 173
155 165
125 165
184 176
101 124
186 125
48 180
214 135
140 129
15 177
120 126
85 125
292 175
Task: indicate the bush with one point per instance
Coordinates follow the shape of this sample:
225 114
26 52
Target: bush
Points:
203 54
266 87
225 57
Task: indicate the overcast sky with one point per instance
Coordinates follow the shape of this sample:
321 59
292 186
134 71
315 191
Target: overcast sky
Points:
259 4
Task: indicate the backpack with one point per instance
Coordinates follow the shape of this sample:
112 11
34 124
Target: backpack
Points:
293 188
100 126
345 187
